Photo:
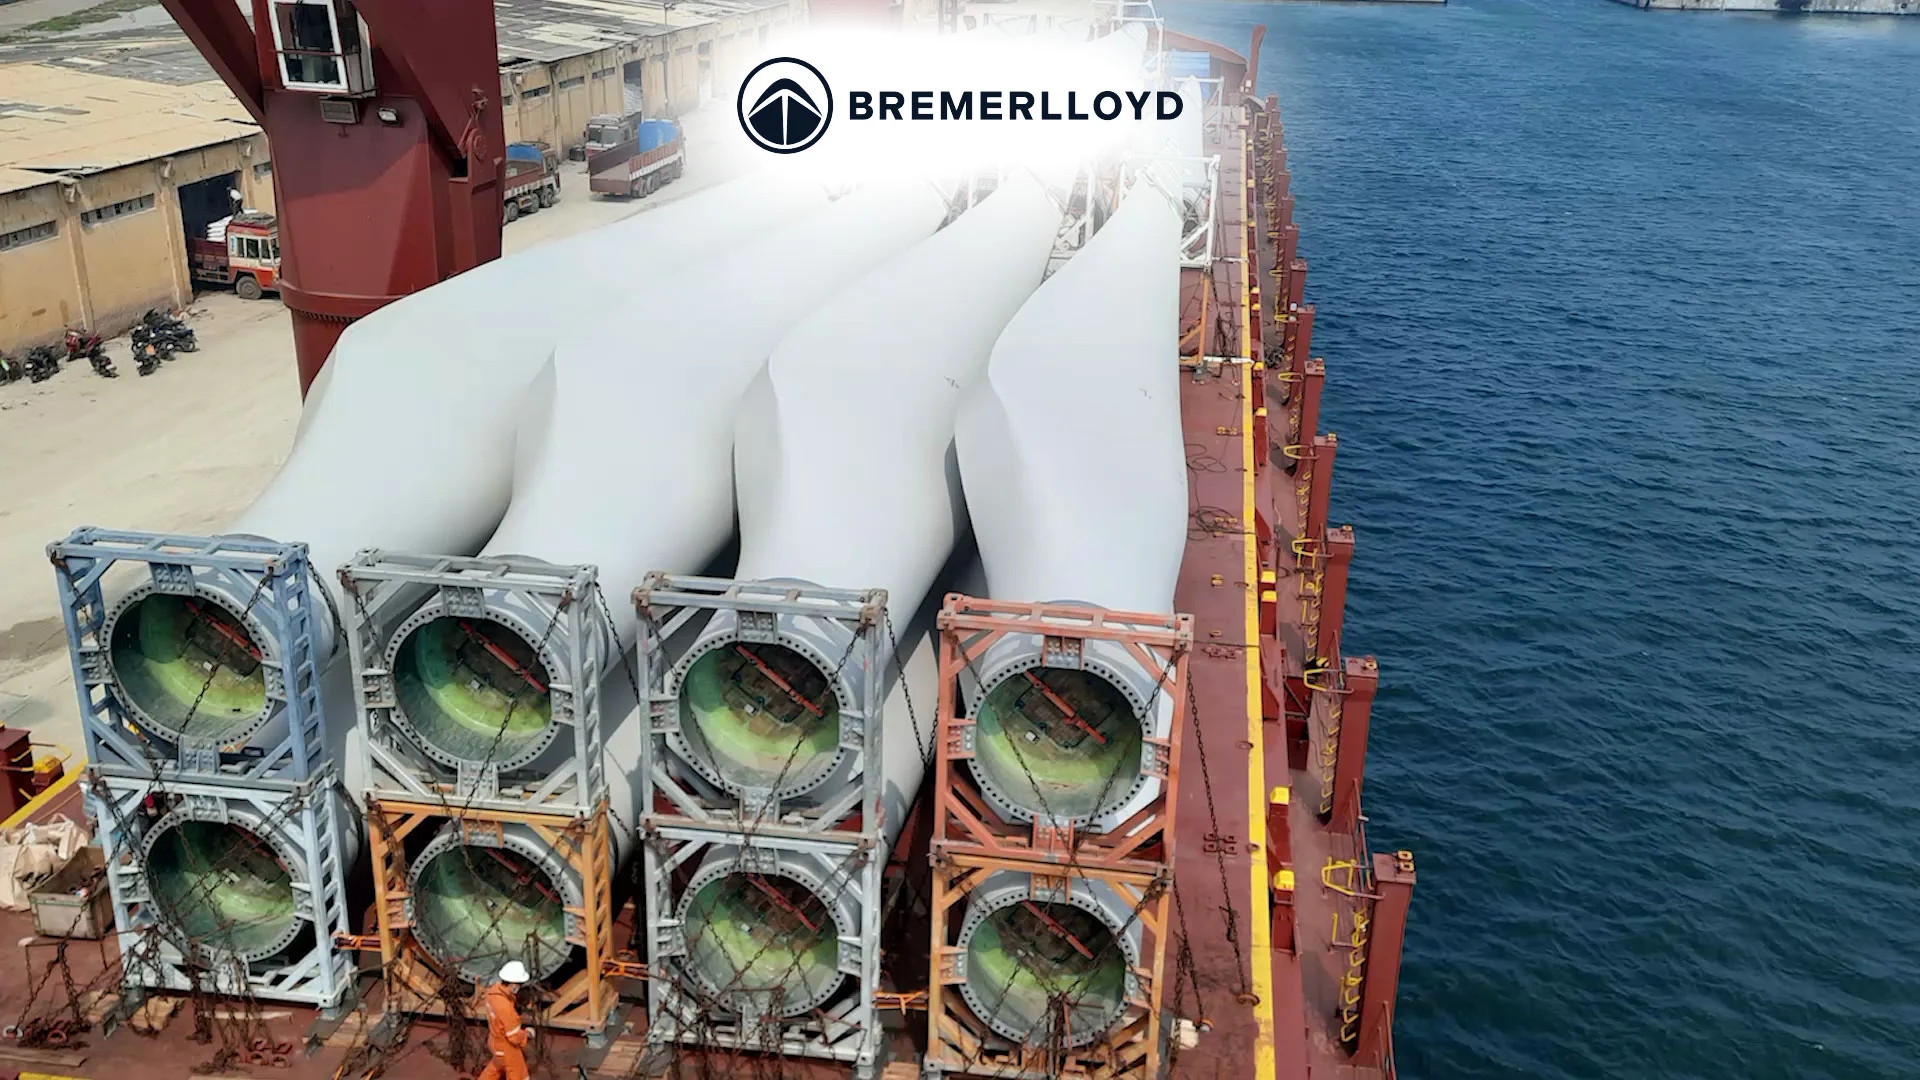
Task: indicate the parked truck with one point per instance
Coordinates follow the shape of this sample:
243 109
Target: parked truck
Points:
606 131
533 178
649 155
242 251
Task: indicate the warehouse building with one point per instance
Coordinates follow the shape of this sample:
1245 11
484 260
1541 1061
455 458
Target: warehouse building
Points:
118 146
562 62
101 181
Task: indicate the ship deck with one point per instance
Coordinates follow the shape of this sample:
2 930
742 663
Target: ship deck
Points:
1264 1005
1261 1004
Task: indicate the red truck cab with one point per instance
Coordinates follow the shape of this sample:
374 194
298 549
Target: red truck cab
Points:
243 253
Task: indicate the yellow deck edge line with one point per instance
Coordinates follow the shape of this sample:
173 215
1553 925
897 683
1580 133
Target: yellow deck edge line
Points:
1264 1063
53 792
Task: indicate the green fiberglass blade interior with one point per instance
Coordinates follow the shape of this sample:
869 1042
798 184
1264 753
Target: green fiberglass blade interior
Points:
222 885
762 714
479 907
1034 964
761 934
1058 742
181 657
473 688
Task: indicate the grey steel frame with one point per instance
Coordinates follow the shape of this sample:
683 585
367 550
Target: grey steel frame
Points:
275 574
385 588
304 814
847 1028
668 604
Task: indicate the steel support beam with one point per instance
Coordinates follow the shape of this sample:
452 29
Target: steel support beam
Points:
1393 879
451 100
1280 877
1333 592
1313 378
1320 476
1350 764
1297 340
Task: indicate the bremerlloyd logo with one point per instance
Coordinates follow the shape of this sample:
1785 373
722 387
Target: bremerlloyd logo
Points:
1011 105
784 105
956 103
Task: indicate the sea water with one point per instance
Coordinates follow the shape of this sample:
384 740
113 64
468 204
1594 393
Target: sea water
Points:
1621 312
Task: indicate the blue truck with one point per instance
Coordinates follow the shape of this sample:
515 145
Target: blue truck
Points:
636 157
532 180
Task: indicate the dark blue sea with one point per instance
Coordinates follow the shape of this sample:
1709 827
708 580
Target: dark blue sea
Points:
1621 311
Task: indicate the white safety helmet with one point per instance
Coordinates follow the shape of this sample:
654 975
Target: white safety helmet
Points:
514 972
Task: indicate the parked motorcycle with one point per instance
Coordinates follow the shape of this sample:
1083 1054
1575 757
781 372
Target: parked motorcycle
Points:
149 349
172 329
148 354
81 344
43 363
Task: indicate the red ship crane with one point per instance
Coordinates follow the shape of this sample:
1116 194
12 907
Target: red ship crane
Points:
384 119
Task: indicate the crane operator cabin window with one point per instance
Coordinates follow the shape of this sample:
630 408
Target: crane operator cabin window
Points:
321 46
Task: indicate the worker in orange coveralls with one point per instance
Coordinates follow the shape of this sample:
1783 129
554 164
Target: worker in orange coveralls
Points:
505 1034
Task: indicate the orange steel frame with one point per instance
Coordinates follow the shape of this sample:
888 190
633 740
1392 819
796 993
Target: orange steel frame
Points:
970 842
964 823
585 1002
958 1042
